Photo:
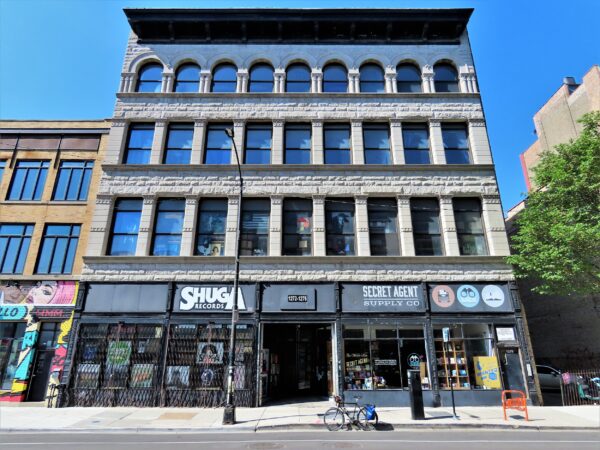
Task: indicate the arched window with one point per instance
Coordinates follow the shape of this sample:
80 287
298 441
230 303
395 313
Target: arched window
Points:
445 78
261 78
335 78
187 78
371 78
150 78
297 78
408 78
224 78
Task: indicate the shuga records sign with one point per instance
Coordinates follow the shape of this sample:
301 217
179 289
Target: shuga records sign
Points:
211 298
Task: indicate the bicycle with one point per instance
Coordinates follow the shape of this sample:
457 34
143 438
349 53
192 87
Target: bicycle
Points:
58 396
364 417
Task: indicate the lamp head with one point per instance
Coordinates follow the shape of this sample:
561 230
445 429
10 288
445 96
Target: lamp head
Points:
229 132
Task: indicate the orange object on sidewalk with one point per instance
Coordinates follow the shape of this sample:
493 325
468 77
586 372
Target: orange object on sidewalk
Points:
517 400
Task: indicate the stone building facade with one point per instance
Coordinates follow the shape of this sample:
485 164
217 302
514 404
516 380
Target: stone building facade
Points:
49 173
359 270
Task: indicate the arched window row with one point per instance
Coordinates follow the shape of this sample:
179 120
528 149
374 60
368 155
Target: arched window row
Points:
299 77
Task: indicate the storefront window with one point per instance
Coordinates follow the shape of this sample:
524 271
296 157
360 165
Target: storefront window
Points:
378 356
469 360
11 338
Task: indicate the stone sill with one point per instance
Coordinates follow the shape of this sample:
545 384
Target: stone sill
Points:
295 260
296 95
352 168
38 277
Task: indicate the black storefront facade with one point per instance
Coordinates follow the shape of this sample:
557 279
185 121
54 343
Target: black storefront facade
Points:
166 344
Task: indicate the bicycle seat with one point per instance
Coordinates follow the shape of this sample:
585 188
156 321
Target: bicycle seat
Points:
337 399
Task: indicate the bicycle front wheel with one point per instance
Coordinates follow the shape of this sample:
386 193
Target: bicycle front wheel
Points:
364 422
334 419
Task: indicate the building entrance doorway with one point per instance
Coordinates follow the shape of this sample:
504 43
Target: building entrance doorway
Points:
296 361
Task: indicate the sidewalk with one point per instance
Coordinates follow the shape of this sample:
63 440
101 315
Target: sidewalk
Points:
297 416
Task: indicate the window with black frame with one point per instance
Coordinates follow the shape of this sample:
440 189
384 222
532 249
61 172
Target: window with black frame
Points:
445 78
224 78
469 226
383 226
415 137
28 180
58 248
297 143
73 181
261 78
139 143
125 227
168 227
254 240
187 78
427 234
297 227
456 143
371 78
11 339
218 144
212 220
298 78
376 141
339 226
408 78
335 78
179 143
258 143
14 246
337 143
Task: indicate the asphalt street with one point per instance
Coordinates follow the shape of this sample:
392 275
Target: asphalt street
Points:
415 440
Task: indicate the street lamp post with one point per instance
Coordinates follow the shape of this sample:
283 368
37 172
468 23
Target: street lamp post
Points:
229 411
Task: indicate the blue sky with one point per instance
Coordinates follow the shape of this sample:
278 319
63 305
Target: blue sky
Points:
61 59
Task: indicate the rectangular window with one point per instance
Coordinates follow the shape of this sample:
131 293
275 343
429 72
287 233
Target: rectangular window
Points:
11 341
179 143
376 139
255 227
125 226
139 143
2 167
73 181
425 213
469 226
383 229
415 138
456 143
339 225
258 144
297 143
297 227
14 245
58 248
218 144
337 144
168 227
210 239
28 180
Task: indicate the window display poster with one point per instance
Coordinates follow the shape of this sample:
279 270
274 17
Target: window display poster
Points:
141 375
210 353
178 377
119 353
87 376
487 372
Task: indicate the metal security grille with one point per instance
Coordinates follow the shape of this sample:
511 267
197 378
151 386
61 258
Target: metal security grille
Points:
196 367
117 365
126 365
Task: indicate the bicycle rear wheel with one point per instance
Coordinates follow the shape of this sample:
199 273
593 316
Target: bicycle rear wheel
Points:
334 419
364 422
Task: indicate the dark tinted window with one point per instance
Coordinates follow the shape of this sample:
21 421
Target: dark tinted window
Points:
371 78
297 78
383 229
425 214
218 144
187 78
337 143
456 143
179 143
57 251
339 225
224 78
168 227
150 78
445 78
139 143
376 141
261 78
254 239
297 143
212 220
297 226
408 78
415 138
469 226
14 245
335 78
125 226
258 144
